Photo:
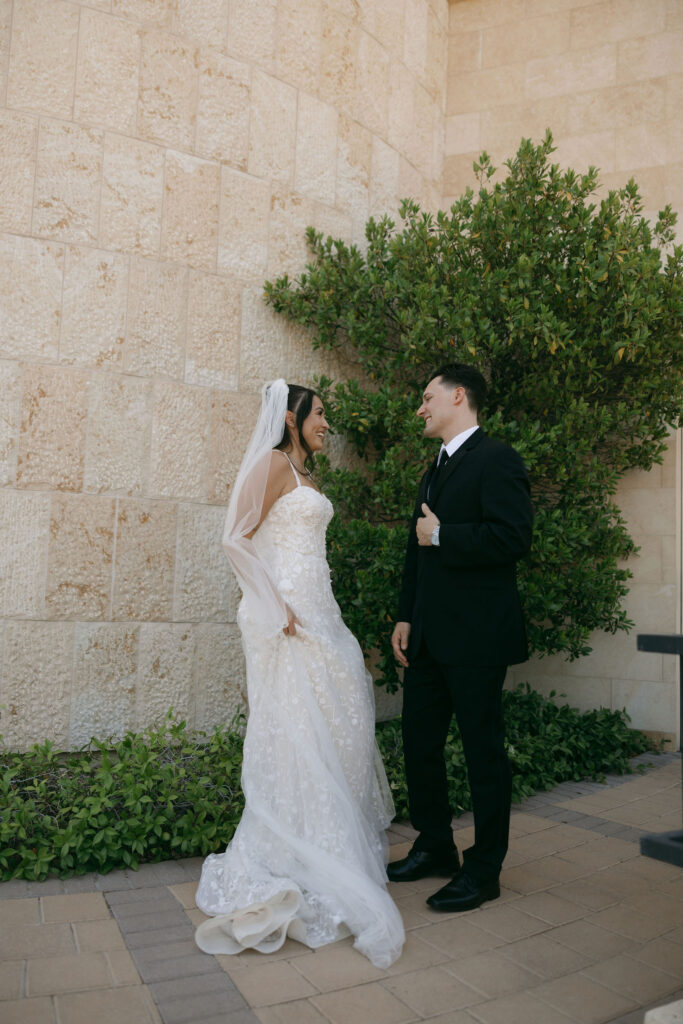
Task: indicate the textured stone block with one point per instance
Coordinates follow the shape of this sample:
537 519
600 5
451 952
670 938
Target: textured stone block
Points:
648 509
651 705
252 31
205 21
179 441
155 343
30 297
338 61
220 674
420 151
354 155
243 225
189 229
401 106
5 25
80 557
652 606
464 52
526 39
107 72
36 684
463 132
485 13
436 68
53 428
68 174
316 149
582 151
43 56
615 20
386 22
415 36
18 143
204 584
103 689
640 144
410 181
167 110
384 166
272 130
571 72
149 12
94 307
372 85
491 87
233 417
223 109
213 331
271 348
119 434
132 194
502 127
24 527
291 214
165 675
299 42
145 556
650 56
618 106
10 411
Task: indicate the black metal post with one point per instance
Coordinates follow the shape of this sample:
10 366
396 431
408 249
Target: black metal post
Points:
667 846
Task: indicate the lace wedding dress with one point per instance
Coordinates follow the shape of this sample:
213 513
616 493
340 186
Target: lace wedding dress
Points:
308 855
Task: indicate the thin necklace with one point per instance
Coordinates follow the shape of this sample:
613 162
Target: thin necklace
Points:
304 472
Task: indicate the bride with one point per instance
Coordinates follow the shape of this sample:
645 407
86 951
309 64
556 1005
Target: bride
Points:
307 858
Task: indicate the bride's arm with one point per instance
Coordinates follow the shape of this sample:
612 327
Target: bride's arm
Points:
279 475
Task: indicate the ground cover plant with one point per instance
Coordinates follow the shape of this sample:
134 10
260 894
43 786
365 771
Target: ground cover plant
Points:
572 307
169 793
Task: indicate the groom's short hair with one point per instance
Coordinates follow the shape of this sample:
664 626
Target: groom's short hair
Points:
460 375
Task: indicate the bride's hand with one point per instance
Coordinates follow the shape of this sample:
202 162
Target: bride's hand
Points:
292 623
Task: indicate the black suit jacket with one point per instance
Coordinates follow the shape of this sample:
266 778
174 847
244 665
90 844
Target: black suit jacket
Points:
461 596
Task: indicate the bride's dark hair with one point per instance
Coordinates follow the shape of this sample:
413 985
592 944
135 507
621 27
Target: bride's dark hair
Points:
300 402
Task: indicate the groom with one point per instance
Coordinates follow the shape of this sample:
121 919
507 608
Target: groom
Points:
459 626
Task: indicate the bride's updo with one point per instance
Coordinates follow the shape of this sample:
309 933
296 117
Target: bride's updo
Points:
300 402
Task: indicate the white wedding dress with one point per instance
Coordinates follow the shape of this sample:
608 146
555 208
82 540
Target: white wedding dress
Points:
307 858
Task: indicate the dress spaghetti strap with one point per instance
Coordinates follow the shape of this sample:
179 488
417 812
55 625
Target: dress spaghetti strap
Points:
296 475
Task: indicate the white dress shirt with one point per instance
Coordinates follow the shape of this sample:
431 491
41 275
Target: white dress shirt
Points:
451 448
457 441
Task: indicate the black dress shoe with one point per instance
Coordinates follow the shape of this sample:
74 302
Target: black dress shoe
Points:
422 864
463 893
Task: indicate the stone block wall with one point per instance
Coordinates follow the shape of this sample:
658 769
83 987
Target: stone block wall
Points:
607 77
158 160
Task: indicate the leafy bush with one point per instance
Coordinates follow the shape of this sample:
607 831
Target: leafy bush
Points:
573 309
154 795
167 793
546 743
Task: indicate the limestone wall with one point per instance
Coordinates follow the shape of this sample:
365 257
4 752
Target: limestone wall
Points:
158 160
607 77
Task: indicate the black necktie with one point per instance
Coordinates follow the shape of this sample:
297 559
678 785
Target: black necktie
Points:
443 459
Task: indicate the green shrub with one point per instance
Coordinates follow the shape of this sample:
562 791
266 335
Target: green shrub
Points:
572 307
547 744
159 794
167 793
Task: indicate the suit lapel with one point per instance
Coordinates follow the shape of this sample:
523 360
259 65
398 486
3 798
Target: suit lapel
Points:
454 462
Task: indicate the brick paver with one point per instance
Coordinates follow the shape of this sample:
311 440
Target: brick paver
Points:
586 931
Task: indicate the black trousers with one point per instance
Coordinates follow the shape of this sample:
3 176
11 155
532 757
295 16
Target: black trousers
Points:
432 692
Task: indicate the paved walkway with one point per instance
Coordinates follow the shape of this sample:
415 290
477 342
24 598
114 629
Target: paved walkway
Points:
586 931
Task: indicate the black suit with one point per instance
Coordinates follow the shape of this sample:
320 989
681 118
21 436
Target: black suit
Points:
466 628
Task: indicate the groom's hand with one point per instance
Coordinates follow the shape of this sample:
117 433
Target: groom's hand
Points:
399 642
425 526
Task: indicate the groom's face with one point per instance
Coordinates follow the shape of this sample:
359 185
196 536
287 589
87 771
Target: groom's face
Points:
437 409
